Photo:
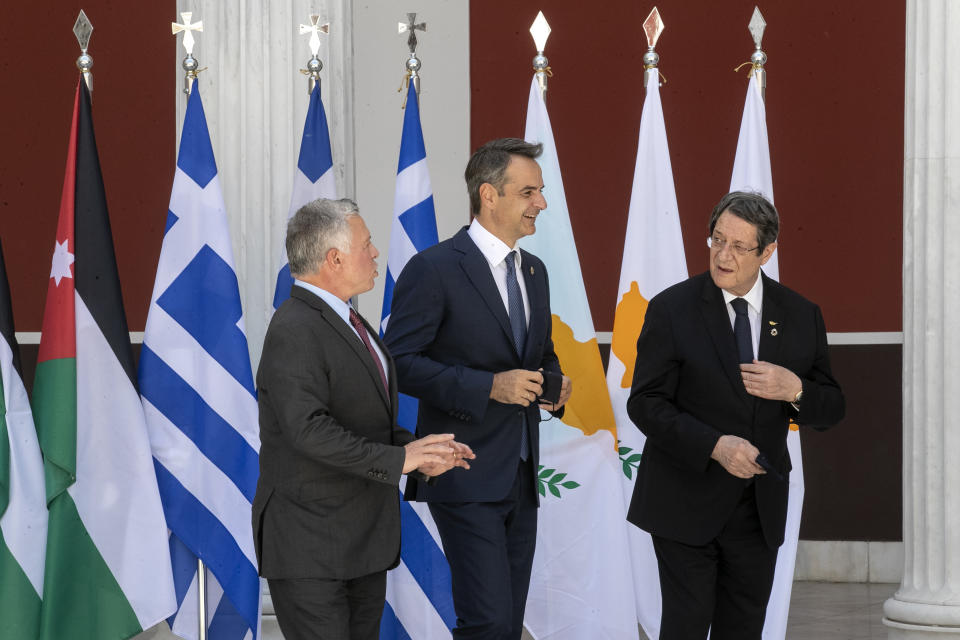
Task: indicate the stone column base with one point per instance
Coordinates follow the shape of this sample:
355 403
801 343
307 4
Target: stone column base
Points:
906 620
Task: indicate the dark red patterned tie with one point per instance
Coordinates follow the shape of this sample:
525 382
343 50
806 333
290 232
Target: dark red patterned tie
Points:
362 330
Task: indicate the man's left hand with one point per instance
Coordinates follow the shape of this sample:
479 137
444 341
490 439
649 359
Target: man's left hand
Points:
458 458
566 388
770 381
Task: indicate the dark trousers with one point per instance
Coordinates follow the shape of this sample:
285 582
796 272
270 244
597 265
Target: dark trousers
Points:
489 546
722 586
328 609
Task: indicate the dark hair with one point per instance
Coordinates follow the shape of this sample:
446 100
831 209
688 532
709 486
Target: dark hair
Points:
753 208
316 228
489 163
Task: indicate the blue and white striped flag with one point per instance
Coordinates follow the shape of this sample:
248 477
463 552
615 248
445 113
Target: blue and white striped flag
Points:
200 401
419 600
313 179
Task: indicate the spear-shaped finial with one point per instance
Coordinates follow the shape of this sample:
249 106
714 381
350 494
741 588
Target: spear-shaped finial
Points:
757 26
652 27
190 64
83 30
413 65
314 65
540 31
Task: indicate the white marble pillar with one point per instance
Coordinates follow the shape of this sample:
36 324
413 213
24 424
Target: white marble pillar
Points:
927 604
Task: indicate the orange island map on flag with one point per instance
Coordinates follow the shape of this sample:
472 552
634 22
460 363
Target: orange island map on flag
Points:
589 408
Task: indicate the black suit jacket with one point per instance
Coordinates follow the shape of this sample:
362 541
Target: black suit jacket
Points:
331 457
449 333
687 391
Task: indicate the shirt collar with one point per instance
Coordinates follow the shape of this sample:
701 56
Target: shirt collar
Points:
754 297
341 308
493 248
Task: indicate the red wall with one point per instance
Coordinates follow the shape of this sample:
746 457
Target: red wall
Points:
133 110
835 122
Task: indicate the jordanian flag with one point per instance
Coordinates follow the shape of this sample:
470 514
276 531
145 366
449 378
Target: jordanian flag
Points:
23 510
107 572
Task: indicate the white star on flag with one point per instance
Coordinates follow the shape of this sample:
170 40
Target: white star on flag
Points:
62 259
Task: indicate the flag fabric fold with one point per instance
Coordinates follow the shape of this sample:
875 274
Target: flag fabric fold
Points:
198 395
23 506
419 600
581 586
107 568
312 179
653 259
751 165
752 172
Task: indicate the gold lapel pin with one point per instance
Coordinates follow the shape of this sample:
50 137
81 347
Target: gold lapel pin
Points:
531 270
772 323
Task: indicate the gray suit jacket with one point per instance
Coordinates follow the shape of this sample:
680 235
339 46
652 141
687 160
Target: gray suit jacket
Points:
331 452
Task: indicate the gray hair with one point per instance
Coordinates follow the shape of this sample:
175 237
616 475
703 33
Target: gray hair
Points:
753 208
488 164
316 228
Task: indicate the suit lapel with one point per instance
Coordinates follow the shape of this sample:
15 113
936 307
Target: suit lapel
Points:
771 323
717 321
536 296
349 337
478 272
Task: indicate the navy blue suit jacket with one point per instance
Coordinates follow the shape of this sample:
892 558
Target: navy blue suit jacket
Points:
449 332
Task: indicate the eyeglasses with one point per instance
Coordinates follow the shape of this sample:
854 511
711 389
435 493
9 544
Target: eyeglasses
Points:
715 242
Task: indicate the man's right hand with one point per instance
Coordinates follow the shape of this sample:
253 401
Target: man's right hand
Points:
517 386
737 456
436 449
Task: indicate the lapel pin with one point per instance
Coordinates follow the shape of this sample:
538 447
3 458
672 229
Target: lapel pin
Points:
773 332
772 323
531 270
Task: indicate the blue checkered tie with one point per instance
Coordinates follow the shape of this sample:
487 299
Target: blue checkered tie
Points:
518 323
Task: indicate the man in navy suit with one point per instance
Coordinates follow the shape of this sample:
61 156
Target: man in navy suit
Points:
725 360
470 332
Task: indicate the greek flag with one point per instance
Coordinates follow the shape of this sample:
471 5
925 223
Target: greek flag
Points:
200 401
313 179
419 601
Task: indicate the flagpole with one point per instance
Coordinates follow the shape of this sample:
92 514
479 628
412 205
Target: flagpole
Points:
758 59
540 31
413 65
314 64
191 69
83 30
652 27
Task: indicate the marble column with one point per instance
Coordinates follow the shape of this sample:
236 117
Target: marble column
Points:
927 604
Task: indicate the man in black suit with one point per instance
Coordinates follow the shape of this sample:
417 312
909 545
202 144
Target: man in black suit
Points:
326 515
470 338
725 360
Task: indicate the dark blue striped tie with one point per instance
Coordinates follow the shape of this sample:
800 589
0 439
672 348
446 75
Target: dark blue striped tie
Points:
518 323
741 330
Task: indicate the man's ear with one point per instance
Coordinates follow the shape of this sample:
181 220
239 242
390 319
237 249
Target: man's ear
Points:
488 196
333 259
767 252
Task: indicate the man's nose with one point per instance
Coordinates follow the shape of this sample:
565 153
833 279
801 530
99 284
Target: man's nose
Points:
541 202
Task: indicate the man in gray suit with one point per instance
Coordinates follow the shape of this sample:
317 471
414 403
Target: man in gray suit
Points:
326 516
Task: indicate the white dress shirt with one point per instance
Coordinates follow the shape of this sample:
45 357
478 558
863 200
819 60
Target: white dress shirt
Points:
495 251
342 309
754 300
